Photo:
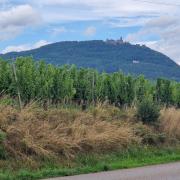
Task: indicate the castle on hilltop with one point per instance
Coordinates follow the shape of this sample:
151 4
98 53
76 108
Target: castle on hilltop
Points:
116 42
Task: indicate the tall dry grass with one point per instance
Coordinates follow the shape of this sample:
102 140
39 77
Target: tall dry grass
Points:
62 133
34 133
170 122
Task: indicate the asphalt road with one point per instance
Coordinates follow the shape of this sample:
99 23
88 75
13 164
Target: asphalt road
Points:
169 171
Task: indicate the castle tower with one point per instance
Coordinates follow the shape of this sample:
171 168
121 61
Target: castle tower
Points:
120 41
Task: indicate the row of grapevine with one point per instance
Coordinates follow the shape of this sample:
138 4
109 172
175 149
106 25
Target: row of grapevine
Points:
37 80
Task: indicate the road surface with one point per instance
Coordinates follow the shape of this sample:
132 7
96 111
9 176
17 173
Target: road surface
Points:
169 171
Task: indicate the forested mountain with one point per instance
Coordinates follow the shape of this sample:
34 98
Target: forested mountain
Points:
109 56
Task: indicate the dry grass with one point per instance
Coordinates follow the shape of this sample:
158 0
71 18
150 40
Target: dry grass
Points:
111 113
7 116
170 122
33 133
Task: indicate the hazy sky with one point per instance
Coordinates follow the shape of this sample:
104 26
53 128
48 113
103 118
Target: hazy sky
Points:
27 24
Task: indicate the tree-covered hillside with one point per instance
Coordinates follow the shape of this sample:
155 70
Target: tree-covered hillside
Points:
106 56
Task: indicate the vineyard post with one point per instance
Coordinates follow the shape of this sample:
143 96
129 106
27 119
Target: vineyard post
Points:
93 81
17 86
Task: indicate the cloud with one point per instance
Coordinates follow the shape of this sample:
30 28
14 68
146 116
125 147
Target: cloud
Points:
3 3
99 9
25 47
40 44
159 24
163 22
59 30
15 19
90 31
22 15
167 28
128 21
63 10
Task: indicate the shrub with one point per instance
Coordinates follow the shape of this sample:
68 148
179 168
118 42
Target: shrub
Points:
6 100
149 135
148 111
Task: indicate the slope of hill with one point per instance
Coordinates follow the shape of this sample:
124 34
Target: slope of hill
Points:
106 56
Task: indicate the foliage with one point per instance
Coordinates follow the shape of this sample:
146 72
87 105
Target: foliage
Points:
53 85
2 150
6 101
148 111
164 91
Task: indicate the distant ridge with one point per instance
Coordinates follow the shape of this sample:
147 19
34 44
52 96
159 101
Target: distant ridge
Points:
109 56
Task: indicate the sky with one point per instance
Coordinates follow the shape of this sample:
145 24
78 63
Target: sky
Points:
29 24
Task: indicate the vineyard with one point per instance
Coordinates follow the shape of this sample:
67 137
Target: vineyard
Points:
53 85
75 120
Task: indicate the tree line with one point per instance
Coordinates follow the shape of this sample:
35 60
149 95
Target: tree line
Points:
53 85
